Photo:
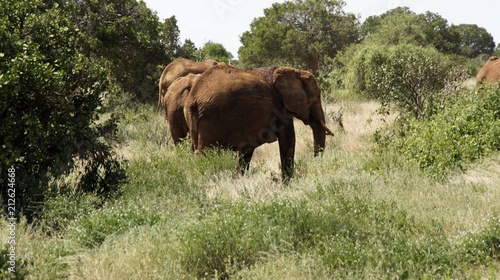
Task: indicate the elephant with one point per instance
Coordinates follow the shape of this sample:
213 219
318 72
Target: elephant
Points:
241 110
173 106
180 68
490 73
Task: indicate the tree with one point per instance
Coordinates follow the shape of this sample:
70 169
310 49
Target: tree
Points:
372 23
49 96
402 26
497 50
474 40
187 50
131 38
300 33
215 51
169 36
439 34
409 76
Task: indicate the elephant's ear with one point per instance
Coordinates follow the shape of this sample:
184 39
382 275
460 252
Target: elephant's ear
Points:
288 83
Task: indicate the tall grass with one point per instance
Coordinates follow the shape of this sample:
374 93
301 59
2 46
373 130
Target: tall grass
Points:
350 213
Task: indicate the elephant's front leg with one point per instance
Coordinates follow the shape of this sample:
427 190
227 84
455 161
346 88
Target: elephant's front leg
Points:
286 140
244 158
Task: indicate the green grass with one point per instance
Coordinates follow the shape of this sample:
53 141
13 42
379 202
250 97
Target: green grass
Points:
350 214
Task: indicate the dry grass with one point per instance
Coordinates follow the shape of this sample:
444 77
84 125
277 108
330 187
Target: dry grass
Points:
359 119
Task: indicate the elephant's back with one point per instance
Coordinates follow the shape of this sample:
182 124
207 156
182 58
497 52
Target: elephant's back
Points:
227 86
232 105
490 72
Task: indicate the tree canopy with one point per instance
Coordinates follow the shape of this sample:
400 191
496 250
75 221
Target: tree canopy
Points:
216 51
402 26
300 33
473 40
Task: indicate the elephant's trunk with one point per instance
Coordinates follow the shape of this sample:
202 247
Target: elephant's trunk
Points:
319 135
320 130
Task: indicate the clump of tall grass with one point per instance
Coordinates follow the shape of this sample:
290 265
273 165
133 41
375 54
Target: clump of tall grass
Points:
350 236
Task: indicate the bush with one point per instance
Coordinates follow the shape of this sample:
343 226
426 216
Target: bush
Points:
411 77
483 246
20 271
58 213
349 235
466 131
49 98
91 230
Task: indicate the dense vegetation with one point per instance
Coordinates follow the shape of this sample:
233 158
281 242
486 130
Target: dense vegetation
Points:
408 190
467 130
64 64
299 33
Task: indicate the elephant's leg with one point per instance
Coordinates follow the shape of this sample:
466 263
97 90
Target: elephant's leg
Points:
286 140
244 158
176 133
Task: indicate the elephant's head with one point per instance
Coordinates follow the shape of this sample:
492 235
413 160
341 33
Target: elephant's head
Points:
301 96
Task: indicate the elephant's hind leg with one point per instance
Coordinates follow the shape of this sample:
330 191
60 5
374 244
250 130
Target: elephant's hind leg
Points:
286 140
244 158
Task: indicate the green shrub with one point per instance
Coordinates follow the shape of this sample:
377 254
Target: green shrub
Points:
465 132
50 95
92 229
58 213
20 271
415 79
483 246
351 236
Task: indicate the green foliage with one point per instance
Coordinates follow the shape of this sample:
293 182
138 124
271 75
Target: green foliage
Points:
300 33
130 37
395 27
20 268
416 79
233 236
483 246
474 40
465 132
91 230
50 94
216 51
58 213
189 51
402 26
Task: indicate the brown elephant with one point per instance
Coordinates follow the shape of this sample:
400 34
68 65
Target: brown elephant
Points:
173 106
490 73
242 110
180 68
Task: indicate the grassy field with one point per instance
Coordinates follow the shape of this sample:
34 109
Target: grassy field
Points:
349 214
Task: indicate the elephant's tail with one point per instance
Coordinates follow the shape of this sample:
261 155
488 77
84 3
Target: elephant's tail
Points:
160 97
191 113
